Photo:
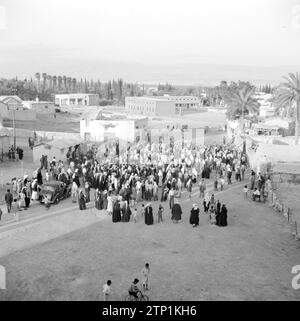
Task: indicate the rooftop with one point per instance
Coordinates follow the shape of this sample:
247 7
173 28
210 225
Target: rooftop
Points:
75 95
4 99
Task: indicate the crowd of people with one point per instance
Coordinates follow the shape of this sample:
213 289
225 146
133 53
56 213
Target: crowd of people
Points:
15 154
155 172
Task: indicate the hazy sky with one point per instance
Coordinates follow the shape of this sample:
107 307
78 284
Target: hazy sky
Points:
246 32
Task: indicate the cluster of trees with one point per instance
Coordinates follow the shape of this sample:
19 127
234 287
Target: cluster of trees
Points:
167 87
287 99
266 88
46 86
238 97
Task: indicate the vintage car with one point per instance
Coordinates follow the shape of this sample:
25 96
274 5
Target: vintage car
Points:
55 191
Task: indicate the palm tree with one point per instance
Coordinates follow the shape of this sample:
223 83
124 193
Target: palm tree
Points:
59 78
38 78
64 78
44 75
69 82
241 102
74 83
49 79
54 79
288 98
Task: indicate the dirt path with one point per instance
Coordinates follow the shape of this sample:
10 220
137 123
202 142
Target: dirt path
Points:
251 259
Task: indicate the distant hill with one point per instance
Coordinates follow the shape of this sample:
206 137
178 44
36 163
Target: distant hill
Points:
178 74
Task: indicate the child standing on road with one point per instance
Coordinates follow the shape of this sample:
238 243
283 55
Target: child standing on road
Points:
146 273
245 191
106 290
159 213
135 215
222 182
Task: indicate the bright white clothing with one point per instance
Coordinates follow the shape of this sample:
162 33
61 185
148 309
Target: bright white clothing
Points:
106 289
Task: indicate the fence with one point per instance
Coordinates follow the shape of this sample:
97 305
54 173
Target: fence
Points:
284 210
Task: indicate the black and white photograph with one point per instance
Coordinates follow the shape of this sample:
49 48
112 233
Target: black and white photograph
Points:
149 151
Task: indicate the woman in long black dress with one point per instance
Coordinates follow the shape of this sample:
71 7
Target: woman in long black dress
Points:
116 215
81 201
127 212
218 214
206 202
194 218
104 202
176 212
97 199
148 215
223 215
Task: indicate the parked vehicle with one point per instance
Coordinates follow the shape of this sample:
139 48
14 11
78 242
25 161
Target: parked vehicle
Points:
55 191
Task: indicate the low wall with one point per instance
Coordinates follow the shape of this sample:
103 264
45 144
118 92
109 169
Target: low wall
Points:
57 135
264 165
44 134
283 209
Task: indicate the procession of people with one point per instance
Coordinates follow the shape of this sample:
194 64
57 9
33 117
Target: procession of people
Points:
139 175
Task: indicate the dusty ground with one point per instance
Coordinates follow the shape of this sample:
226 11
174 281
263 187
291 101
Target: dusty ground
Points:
64 122
251 259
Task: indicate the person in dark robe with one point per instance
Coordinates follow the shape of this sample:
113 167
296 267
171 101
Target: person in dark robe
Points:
148 215
81 201
104 200
116 215
87 190
223 220
206 202
101 200
252 180
127 212
218 209
176 212
194 217
97 199
76 179
27 198
39 177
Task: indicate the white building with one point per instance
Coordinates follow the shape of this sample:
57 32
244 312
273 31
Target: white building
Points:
150 106
160 105
77 100
266 106
99 128
11 100
184 102
266 111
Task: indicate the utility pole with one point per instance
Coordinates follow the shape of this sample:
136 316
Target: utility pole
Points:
13 107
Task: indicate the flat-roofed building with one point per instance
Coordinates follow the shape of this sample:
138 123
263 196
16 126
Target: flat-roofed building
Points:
77 100
184 102
160 105
99 127
150 106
